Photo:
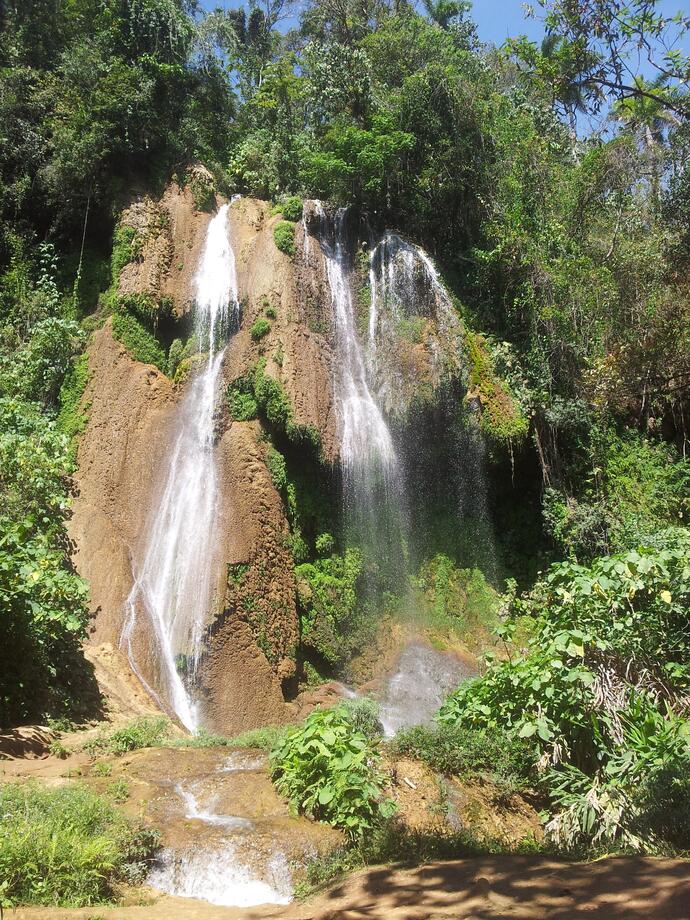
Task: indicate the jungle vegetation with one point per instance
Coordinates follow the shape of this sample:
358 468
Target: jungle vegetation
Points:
551 184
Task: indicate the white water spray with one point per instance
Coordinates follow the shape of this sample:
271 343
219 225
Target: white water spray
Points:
365 440
173 585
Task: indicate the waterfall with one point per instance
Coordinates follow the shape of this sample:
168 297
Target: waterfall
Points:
404 283
173 585
365 441
373 481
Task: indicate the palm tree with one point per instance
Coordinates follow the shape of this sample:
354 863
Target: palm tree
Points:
567 86
645 116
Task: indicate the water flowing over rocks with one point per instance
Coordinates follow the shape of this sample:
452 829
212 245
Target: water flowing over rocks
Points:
174 580
338 369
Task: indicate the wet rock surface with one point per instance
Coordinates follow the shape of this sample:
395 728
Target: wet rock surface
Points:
226 836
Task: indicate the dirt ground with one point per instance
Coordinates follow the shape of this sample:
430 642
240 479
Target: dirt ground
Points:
486 888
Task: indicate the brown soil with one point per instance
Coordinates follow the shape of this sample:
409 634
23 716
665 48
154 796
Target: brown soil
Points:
485 888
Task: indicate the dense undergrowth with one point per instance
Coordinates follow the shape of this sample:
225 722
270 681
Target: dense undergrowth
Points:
600 691
67 846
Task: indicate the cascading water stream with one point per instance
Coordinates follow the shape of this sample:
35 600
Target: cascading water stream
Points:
173 585
404 283
373 481
366 442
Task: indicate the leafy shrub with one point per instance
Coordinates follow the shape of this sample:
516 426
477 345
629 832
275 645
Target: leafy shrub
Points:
324 544
284 237
241 400
139 342
67 846
39 367
363 714
609 645
271 313
328 769
260 328
44 612
291 208
142 733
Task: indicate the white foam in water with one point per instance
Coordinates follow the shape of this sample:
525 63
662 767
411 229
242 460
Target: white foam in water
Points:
218 874
241 760
208 815
219 877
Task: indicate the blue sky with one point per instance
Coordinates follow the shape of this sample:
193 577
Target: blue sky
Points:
496 19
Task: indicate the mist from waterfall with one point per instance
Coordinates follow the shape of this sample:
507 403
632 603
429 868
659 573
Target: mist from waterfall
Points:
173 585
404 282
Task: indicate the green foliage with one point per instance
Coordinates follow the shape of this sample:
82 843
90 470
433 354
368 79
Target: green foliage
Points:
265 739
260 328
329 769
118 791
324 544
594 688
284 236
175 356
363 714
203 190
468 752
458 597
290 208
123 252
638 486
142 733
334 625
36 370
241 400
139 342
501 417
275 462
67 847
44 612
72 417
273 405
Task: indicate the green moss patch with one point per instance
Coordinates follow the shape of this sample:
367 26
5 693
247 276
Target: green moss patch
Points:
139 342
501 416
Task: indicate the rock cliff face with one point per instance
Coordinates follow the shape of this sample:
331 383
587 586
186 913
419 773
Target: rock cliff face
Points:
131 410
252 637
